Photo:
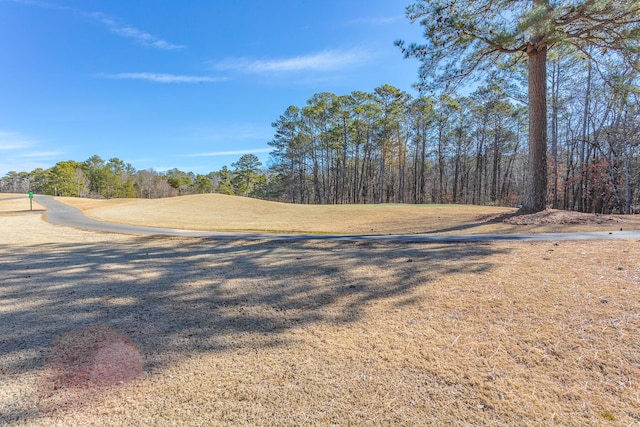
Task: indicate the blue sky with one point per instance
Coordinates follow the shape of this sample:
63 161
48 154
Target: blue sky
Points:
190 84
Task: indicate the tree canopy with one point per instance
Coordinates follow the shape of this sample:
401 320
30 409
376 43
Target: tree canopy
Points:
465 36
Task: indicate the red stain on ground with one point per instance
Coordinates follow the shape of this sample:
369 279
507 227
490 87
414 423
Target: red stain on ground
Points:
91 357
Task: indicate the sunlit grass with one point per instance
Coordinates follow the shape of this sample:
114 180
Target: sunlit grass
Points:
215 212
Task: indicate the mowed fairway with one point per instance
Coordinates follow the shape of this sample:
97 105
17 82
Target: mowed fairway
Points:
104 329
216 212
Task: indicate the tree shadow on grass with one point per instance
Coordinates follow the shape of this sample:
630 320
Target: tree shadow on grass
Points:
172 298
483 220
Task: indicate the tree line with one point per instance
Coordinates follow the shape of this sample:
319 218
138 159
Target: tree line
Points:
114 178
387 147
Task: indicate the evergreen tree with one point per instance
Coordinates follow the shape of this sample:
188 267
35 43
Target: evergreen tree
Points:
246 173
465 36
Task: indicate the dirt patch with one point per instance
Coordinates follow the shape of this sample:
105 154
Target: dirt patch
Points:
553 217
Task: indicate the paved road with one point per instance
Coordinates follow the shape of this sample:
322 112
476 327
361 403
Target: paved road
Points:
61 214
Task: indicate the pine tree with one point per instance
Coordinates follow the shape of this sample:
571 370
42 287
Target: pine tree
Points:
467 36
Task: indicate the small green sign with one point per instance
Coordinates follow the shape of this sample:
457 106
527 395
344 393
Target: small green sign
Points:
31 194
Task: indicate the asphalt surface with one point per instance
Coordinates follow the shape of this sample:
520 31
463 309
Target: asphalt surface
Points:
60 214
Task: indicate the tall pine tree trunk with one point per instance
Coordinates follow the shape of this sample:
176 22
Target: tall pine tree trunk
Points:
555 89
536 195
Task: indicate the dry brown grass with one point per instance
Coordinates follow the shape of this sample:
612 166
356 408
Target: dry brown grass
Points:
216 212
17 204
302 333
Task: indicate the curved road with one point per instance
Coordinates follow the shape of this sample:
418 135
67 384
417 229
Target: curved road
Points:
61 214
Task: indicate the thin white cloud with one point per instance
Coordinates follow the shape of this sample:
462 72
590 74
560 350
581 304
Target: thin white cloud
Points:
42 4
11 141
139 36
23 154
232 152
231 132
40 155
11 145
327 60
127 31
383 20
162 77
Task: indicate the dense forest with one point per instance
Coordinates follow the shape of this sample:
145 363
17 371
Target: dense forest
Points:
386 146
